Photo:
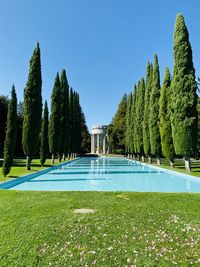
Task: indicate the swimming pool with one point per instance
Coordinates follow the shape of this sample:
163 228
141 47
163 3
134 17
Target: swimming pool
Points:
105 174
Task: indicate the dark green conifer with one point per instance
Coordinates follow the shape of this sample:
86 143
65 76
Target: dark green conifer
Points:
71 122
55 122
3 118
32 107
164 119
184 95
139 118
64 146
134 123
128 124
146 134
9 145
77 122
44 149
154 112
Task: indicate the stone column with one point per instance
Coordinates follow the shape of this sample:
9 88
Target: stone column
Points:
104 144
98 147
92 143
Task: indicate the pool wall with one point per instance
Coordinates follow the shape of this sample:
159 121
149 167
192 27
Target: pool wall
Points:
176 173
27 177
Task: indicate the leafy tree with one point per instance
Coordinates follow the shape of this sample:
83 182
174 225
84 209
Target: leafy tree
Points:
64 86
117 128
55 122
139 118
145 125
9 144
32 108
3 118
154 112
164 119
44 148
85 135
184 95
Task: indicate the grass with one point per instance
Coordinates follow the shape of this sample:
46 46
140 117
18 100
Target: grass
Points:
19 168
127 229
180 166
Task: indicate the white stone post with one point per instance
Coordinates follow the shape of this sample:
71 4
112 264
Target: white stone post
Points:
98 144
92 143
104 145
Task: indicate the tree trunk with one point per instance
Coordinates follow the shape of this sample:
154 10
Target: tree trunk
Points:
171 164
59 157
63 156
28 163
158 161
143 158
149 159
187 164
52 159
139 157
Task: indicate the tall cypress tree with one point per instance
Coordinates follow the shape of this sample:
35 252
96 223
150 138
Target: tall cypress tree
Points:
128 124
64 86
164 119
71 121
184 95
54 124
145 125
77 123
3 118
9 145
154 112
32 107
134 123
139 118
44 149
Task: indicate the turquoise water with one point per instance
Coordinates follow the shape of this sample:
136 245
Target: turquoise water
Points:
109 174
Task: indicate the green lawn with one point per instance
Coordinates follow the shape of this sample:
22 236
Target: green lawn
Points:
180 166
127 229
19 168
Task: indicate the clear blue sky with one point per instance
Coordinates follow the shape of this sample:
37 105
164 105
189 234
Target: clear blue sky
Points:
104 45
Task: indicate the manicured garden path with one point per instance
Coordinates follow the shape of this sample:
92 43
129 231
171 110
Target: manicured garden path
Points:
127 229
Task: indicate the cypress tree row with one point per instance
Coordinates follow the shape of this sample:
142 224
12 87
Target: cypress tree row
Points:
164 119
184 95
128 124
32 108
44 149
9 145
64 86
139 118
146 134
154 112
55 122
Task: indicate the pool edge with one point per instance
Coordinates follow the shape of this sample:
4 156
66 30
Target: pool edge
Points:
16 181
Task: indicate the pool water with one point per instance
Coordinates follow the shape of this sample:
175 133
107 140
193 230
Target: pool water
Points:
108 174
